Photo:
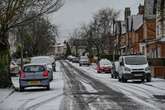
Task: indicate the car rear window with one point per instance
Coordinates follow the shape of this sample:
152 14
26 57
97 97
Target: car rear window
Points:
34 68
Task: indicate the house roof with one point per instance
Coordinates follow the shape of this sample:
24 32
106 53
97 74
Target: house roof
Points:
162 39
135 22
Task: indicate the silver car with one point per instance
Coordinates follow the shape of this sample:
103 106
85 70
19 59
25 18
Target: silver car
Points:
47 60
34 75
84 60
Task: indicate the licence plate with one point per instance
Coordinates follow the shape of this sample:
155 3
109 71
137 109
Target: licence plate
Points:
34 82
138 75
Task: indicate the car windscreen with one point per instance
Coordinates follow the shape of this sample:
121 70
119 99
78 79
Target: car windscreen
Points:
34 68
135 60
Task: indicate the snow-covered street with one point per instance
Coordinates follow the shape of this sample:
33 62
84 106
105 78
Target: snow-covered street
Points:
82 88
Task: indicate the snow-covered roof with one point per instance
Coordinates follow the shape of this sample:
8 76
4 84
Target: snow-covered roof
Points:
162 39
135 22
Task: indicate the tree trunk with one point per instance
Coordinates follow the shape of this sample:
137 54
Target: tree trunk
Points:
5 80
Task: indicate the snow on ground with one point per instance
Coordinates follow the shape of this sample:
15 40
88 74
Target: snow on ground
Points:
143 93
5 93
34 98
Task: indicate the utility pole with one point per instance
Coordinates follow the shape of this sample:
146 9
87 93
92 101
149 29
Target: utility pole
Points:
20 30
127 28
114 39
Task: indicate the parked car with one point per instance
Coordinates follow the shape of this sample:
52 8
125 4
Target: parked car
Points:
34 75
70 57
47 60
75 60
134 67
14 68
115 71
84 60
104 65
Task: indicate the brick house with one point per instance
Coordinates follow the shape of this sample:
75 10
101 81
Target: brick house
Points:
135 26
149 46
131 33
120 43
160 28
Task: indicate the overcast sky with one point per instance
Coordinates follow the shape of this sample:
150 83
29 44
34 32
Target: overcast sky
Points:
76 12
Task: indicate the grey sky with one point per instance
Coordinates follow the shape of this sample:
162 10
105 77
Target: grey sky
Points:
76 12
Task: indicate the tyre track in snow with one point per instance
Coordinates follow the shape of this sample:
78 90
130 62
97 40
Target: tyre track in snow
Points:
90 99
123 102
74 87
143 94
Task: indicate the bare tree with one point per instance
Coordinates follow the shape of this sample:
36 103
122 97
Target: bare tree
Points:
103 22
13 13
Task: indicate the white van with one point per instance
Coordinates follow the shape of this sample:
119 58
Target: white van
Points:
134 67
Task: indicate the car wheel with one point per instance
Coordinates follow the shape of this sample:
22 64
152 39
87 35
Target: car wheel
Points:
119 79
48 87
123 80
111 75
21 89
142 80
115 77
148 79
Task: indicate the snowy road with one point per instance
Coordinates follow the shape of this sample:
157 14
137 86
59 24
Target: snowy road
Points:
81 88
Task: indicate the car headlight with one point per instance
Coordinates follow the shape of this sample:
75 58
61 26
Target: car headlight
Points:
127 69
147 69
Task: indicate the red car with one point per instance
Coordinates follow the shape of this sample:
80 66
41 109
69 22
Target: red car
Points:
104 65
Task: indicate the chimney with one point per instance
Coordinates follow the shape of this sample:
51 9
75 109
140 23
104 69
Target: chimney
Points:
127 12
141 10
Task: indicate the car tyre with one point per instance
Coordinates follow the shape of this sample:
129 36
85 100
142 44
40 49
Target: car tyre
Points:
21 89
111 75
48 87
142 80
119 79
115 77
148 79
123 80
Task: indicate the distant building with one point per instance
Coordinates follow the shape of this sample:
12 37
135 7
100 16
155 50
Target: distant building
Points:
59 49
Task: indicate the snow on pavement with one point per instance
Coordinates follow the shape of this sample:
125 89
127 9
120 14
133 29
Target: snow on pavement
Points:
36 98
